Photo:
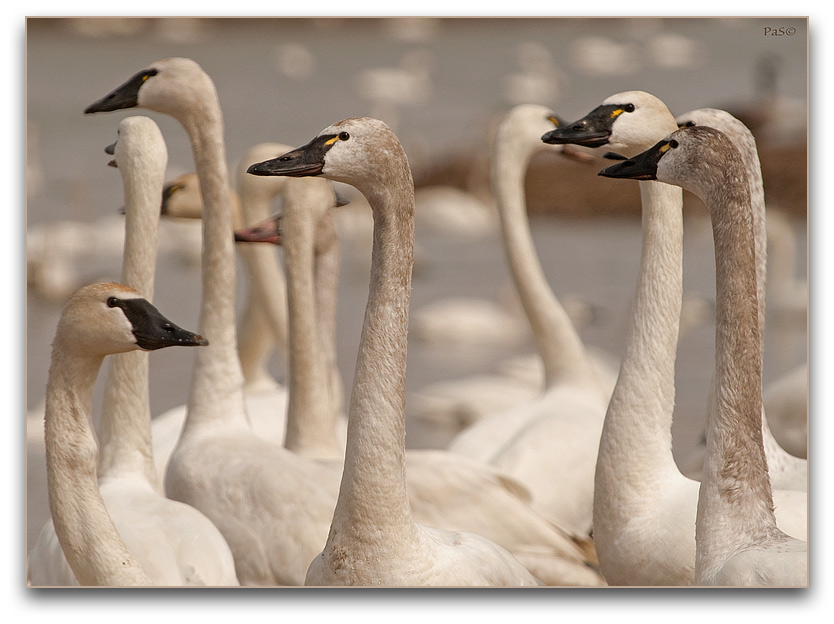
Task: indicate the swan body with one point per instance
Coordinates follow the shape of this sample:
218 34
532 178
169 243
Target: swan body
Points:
98 320
373 538
174 543
272 506
738 541
787 472
557 433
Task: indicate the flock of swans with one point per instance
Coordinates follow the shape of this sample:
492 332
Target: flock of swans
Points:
258 483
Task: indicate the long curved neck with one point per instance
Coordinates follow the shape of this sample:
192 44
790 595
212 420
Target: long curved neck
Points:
88 537
735 505
311 417
126 442
372 498
638 422
215 394
558 343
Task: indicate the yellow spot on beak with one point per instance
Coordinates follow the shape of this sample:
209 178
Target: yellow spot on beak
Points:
665 148
331 141
553 120
619 111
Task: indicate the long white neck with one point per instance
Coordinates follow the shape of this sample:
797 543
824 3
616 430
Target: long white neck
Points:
311 417
88 537
637 430
557 341
328 259
372 503
735 505
126 442
267 285
215 395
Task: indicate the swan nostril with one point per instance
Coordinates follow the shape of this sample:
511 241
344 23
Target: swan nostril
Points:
285 158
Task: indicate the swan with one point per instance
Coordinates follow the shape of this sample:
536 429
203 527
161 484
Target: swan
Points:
444 490
786 471
272 506
557 433
174 543
96 321
373 538
738 540
644 507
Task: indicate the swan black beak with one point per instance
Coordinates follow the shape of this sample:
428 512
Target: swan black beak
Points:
154 331
641 167
124 96
593 130
307 160
266 231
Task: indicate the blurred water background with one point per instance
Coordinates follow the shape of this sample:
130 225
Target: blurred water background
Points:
441 83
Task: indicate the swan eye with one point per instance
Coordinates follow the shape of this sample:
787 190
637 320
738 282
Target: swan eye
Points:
112 302
629 108
673 144
344 136
689 124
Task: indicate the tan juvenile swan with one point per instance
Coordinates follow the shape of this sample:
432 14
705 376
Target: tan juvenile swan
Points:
98 320
373 538
738 541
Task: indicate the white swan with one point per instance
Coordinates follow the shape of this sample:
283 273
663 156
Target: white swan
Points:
272 506
786 471
373 538
558 432
644 507
174 543
98 320
738 541
444 490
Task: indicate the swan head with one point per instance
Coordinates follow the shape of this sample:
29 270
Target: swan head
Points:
260 189
687 158
112 318
628 122
181 197
524 125
267 231
171 86
362 151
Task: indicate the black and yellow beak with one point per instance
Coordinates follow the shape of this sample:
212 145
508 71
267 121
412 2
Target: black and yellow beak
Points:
124 96
593 130
641 167
307 160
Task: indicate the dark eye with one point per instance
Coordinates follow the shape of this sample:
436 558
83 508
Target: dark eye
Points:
689 124
629 108
112 302
673 144
344 136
